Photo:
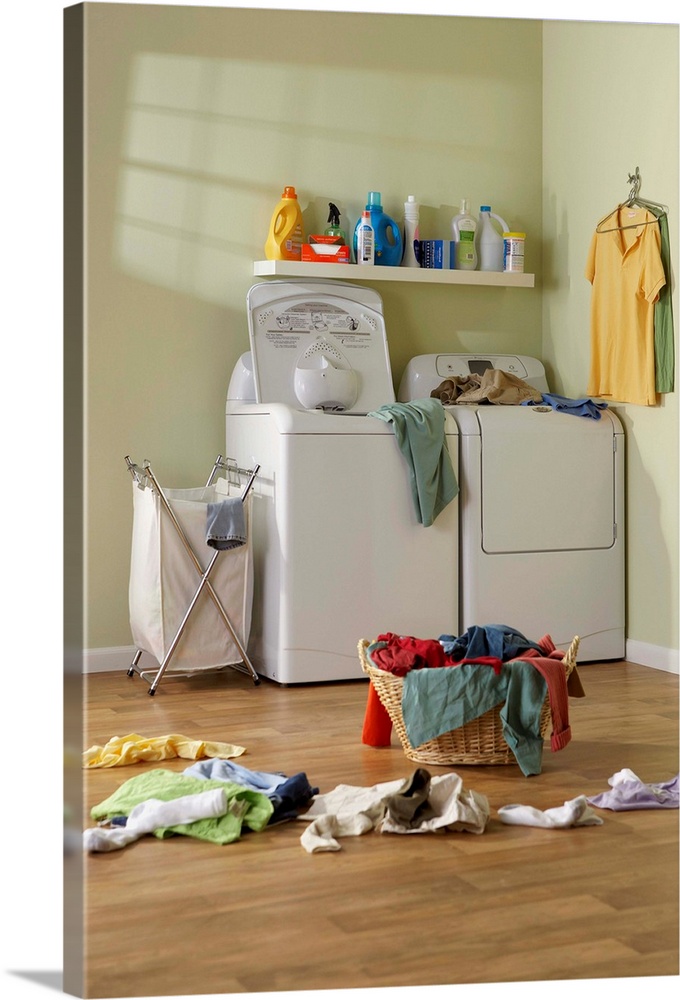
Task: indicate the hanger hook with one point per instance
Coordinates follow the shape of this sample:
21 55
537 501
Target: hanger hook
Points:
636 181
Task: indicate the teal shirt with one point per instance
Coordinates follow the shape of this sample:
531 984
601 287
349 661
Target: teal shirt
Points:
436 700
419 431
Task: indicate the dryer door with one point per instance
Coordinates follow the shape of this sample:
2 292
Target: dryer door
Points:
547 480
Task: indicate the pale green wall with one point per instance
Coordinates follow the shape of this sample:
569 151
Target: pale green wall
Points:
196 118
603 116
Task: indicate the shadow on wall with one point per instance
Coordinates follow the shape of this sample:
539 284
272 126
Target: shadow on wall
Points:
195 191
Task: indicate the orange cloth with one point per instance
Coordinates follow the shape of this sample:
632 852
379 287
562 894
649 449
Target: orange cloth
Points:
377 729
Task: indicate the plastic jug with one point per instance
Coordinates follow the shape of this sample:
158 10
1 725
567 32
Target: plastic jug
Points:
463 230
285 238
490 244
389 245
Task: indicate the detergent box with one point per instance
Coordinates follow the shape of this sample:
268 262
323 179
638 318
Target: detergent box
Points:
325 249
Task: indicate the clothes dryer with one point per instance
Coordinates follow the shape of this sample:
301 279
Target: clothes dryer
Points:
541 510
339 554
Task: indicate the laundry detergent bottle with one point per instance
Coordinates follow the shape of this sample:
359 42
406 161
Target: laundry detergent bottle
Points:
490 242
285 238
388 242
463 232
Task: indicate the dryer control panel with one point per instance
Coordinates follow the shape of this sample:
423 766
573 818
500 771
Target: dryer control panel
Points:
426 371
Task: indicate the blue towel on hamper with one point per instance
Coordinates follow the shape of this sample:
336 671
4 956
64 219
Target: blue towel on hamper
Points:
419 430
226 524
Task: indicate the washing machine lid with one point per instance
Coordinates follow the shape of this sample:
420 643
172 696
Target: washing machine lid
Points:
548 480
319 345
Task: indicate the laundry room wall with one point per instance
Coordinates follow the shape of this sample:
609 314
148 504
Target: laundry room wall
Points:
196 119
603 116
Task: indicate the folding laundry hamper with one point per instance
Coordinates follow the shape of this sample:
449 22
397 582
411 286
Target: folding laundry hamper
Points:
190 604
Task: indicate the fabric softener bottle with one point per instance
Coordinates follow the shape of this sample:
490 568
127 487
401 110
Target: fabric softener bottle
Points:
285 238
389 245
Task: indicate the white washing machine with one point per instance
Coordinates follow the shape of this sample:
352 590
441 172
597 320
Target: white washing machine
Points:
339 554
541 511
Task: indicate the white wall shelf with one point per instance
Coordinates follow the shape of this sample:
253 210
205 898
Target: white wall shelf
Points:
355 272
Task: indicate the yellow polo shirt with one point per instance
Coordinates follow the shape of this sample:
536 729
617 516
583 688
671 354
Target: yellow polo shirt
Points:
625 269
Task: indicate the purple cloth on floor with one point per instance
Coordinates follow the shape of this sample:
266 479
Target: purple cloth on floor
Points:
628 795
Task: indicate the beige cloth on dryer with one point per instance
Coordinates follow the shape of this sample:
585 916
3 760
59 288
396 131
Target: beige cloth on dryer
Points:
494 386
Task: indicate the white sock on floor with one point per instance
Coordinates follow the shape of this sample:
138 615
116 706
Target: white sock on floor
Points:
155 815
575 812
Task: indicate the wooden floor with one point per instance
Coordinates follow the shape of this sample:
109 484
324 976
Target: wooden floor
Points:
182 916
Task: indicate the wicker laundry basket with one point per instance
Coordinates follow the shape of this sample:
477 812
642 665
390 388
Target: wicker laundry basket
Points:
479 741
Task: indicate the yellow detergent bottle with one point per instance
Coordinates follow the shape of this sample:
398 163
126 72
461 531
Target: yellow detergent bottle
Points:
285 230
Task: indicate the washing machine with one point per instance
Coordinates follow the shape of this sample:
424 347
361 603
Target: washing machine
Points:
339 552
541 513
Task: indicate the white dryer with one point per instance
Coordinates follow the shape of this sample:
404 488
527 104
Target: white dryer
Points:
541 510
339 554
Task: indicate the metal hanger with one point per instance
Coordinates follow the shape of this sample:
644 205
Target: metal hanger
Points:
633 199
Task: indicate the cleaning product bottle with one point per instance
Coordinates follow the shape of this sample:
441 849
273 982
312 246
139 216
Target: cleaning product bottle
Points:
489 240
389 245
411 232
365 236
285 238
333 227
463 229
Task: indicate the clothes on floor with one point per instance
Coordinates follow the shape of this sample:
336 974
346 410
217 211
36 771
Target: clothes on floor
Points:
152 814
629 792
226 524
585 407
245 807
417 804
419 431
575 812
122 750
288 795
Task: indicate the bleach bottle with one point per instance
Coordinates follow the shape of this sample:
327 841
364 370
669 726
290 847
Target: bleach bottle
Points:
285 238
388 242
463 230
490 242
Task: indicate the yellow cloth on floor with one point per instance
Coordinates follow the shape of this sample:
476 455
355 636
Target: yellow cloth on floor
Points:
131 749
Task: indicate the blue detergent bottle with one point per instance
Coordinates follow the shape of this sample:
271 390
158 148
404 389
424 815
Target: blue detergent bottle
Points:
389 245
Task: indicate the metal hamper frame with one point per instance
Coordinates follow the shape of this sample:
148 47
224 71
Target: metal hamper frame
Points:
144 478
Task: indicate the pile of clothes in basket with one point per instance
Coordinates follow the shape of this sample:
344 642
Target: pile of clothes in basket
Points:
494 665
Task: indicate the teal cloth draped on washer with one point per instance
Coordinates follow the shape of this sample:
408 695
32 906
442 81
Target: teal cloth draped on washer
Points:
419 431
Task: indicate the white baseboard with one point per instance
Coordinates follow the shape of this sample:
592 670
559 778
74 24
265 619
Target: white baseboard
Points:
113 658
657 657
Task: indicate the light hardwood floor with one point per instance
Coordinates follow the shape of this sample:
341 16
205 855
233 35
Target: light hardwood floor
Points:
515 904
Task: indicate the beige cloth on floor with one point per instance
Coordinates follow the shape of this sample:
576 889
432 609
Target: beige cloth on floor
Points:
494 386
350 811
